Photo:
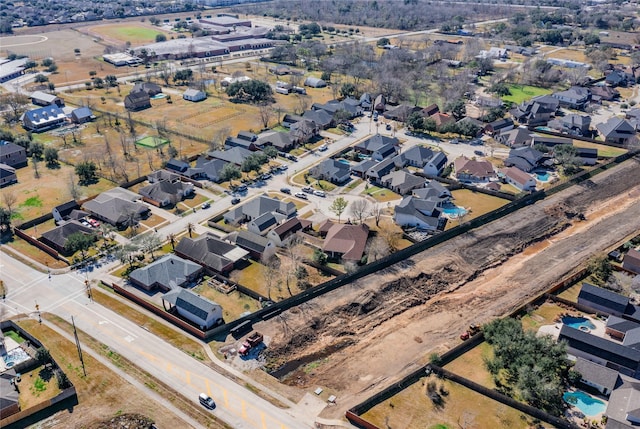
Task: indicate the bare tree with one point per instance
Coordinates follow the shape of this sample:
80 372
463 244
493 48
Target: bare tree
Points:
302 103
391 235
360 209
13 105
266 113
377 212
219 137
9 198
34 163
148 243
270 272
74 190
377 248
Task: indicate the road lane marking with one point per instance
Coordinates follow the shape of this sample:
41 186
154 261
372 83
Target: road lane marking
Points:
64 300
188 376
264 423
208 387
87 308
129 338
226 398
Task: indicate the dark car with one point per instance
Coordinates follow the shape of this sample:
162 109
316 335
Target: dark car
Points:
235 200
478 152
285 191
241 188
292 158
206 205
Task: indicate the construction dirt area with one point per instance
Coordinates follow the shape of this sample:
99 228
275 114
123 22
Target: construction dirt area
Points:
364 336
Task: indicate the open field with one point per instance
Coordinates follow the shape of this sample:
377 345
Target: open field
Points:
520 93
603 150
136 33
412 408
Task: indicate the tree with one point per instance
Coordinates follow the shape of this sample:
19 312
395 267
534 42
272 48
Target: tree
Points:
377 211
338 206
161 38
13 105
377 249
360 209
348 90
5 219
51 157
98 82
383 41
111 80
229 172
9 198
86 172
415 121
148 243
567 156
252 91
266 113
270 151
43 356
183 77
125 252
600 269
40 78
190 228
319 257
270 272
457 109
79 242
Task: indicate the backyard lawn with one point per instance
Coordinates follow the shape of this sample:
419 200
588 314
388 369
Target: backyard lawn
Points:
37 385
520 93
545 314
381 195
603 150
471 365
233 304
477 203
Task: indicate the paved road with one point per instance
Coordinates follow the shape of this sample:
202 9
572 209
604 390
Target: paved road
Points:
64 295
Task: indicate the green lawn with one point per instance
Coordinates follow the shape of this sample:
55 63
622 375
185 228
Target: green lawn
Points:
520 93
382 195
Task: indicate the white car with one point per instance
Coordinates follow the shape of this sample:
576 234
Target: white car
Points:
301 195
319 194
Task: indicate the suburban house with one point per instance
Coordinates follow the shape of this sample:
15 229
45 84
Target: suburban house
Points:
432 162
315 82
40 98
257 207
351 108
360 169
250 145
434 191
82 115
380 169
500 126
332 171
67 211
345 242
430 110
472 170
211 169
194 95
166 273
608 302
603 93
166 192
235 155
517 137
378 147
631 261
283 233
588 156
212 253
549 141
420 213
193 307
518 178
290 119
601 350
547 101
278 139
401 113
532 113
8 175
442 119
182 167
162 175
149 88
575 124
616 130
304 130
257 245
137 100
624 403
56 238
43 119
117 207
402 182
13 155
575 97
597 376
323 118
525 158
616 78
263 223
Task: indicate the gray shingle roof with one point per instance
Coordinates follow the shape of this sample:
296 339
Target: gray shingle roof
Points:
600 347
602 297
60 234
191 302
597 374
168 271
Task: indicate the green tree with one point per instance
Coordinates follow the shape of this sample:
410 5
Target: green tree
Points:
600 268
319 257
5 219
51 157
161 38
86 172
79 242
230 172
457 108
252 91
36 150
43 356
429 124
111 80
567 156
338 206
348 90
40 78
415 121
98 82
383 41
270 151
182 77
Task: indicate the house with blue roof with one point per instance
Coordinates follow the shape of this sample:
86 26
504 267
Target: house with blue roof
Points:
44 118
82 115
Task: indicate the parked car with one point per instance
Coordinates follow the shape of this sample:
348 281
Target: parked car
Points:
235 200
241 188
308 189
284 167
388 127
285 191
301 195
454 141
323 147
478 152
292 158
207 401
86 223
476 142
94 223
319 194
206 205
266 176
282 154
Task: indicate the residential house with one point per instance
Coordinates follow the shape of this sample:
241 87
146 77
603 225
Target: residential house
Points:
430 110
525 158
149 88
166 193
177 165
499 126
321 117
63 211
365 101
211 168
194 95
401 113
597 376
549 141
575 97
263 223
349 105
442 119
82 115
576 124
402 182
380 103
166 273
303 131
494 52
378 146
360 169
600 350
608 302
232 142
603 93
616 130
9 394
56 238
259 206
289 120
283 233
623 330
235 155
345 242
44 118
8 175
315 82
517 137
432 162
473 122
433 191
40 98
117 207
212 253
623 405
472 170
380 169
631 261
532 113
258 246
137 100
195 308
162 175
332 171
488 102
278 139
547 101
587 156
13 155
518 178
421 213
616 78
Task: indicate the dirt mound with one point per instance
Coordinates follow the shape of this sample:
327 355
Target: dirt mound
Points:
124 421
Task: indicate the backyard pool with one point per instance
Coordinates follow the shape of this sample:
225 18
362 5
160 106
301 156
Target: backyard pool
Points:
454 211
158 96
589 405
543 177
15 356
581 323
344 161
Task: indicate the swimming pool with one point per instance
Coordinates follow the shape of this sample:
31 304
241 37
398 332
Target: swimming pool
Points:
589 405
543 177
454 211
15 356
158 96
581 323
344 161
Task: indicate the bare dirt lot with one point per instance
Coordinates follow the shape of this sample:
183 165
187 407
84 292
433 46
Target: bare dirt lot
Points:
362 337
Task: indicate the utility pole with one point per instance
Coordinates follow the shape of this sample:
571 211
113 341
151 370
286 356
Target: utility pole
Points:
75 335
38 310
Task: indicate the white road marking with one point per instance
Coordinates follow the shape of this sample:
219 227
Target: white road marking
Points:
129 338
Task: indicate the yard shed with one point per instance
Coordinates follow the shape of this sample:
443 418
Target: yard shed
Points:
315 82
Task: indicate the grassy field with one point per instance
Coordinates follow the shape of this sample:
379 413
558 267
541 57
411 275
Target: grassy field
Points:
37 385
233 304
543 315
571 293
603 150
412 408
135 33
471 365
520 93
381 195
476 202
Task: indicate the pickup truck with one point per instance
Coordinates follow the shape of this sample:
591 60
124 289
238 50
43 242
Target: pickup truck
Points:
253 340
